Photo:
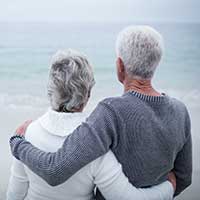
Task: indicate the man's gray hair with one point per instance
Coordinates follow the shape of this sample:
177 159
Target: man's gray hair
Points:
70 80
140 48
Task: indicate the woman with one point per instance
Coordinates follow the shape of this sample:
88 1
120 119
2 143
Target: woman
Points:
70 83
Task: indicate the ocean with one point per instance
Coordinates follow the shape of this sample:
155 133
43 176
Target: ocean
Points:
25 54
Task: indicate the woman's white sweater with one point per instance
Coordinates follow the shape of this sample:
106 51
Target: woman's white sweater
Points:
48 133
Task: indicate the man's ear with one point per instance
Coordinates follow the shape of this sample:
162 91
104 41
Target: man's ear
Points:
120 70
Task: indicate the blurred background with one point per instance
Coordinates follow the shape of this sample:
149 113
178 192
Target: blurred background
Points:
32 31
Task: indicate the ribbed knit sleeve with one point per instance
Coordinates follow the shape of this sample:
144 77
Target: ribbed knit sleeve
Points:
89 141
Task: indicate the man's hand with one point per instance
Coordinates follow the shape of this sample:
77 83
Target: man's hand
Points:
22 129
172 179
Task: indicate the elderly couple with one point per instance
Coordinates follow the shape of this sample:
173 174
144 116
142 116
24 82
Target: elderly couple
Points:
134 146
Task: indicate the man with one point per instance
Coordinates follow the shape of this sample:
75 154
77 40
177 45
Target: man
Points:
148 131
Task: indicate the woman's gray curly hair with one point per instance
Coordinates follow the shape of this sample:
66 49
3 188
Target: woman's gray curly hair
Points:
70 80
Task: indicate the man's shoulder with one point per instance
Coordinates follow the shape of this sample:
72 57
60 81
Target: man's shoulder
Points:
124 103
180 108
116 101
111 100
178 104
114 105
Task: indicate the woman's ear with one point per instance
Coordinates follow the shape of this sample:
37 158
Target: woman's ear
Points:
120 70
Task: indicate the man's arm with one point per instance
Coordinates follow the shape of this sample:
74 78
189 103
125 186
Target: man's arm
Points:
89 141
183 162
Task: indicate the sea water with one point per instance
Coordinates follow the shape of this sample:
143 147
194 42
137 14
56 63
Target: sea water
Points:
25 54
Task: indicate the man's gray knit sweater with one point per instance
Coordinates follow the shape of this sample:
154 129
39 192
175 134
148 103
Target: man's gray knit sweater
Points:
150 136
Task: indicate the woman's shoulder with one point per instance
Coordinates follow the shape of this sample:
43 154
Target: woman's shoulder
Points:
33 130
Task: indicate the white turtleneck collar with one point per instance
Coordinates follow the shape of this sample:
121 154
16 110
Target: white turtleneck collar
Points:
61 124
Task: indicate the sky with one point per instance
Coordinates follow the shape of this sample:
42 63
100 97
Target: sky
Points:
100 10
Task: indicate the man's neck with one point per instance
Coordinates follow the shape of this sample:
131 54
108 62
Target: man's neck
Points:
141 86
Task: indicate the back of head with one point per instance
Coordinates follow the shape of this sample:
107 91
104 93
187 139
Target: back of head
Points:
70 80
140 48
